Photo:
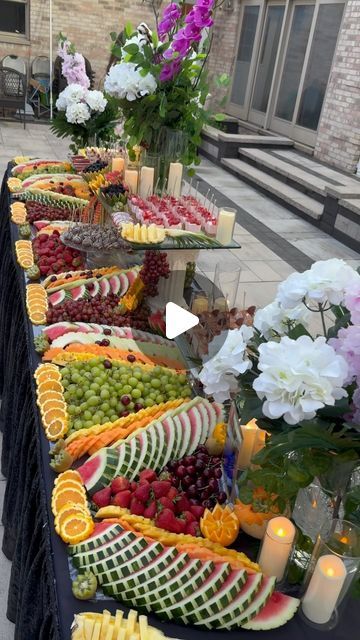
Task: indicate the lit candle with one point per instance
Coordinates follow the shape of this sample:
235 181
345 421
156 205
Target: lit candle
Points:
324 588
225 226
146 188
276 547
199 305
249 435
131 179
118 164
175 179
220 304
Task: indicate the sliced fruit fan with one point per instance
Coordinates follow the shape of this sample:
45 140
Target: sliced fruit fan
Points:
143 513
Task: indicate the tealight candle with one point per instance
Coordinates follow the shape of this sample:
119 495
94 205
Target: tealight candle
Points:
249 435
324 588
199 305
220 304
225 226
276 547
118 164
146 182
131 180
175 179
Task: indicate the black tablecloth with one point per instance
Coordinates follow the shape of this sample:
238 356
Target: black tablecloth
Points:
40 601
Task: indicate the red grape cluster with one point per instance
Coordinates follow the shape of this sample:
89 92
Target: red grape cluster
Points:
40 211
98 310
198 477
155 266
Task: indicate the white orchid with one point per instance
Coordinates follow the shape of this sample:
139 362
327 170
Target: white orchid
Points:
124 80
274 319
96 101
326 281
225 361
299 377
78 113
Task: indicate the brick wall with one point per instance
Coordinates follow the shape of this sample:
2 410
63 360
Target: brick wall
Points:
338 141
86 22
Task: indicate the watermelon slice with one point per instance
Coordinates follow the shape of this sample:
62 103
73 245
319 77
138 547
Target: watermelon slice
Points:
124 284
72 337
58 329
277 612
77 293
94 470
114 282
57 298
84 327
104 287
94 288
132 275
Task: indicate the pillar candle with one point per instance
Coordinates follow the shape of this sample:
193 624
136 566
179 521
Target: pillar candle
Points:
324 588
131 179
276 547
118 164
225 226
249 435
146 188
175 179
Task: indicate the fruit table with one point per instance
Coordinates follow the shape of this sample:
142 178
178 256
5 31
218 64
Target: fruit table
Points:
40 601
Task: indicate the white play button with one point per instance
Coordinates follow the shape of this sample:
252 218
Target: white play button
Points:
178 320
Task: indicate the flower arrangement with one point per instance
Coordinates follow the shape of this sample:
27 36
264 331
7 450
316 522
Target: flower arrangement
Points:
303 389
160 79
82 114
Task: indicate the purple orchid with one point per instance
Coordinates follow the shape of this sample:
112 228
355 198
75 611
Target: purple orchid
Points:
200 18
170 16
169 70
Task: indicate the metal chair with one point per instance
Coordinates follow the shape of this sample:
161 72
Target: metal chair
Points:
40 66
14 62
13 91
39 85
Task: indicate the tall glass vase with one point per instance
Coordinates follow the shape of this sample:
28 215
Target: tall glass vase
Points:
172 145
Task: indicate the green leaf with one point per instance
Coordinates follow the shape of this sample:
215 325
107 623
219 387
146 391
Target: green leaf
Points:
132 48
219 117
129 29
297 331
113 36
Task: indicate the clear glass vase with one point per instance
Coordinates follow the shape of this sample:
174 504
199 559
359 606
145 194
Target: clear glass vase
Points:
172 146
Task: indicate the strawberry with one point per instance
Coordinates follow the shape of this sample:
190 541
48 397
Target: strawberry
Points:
166 520
192 529
76 262
188 517
147 474
197 510
172 493
151 510
102 497
142 493
133 486
137 508
166 503
182 504
122 499
120 484
160 488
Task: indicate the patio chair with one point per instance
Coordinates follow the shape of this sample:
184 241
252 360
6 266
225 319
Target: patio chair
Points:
39 84
13 91
14 62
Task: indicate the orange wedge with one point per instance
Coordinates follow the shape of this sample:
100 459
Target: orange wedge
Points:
69 509
67 495
68 475
57 413
50 385
69 484
49 395
76 528
45 367
56 429
49 405
48 375
220 525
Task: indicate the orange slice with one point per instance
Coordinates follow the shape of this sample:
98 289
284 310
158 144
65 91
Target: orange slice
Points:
45 367
49 395
48 405
69 509
37 319
68 484
56 429
67 495
220 525
50 385
48 375
54 414
76 528
70 474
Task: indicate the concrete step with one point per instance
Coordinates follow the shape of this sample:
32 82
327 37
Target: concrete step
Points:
324 171
283 192
296 176
255 139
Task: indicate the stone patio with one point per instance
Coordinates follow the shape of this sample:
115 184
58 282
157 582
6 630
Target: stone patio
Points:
274 242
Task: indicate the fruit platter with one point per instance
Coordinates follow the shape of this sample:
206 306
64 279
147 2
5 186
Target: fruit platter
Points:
150 539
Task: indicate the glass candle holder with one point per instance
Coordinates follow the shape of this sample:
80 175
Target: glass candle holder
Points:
334 564
226 286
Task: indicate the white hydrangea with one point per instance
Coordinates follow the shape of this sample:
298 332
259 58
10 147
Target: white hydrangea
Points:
72 94
299 377
326 281
125 81
225 361
273 318
96 101
78 113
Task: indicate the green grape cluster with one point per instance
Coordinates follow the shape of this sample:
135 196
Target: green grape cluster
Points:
99 391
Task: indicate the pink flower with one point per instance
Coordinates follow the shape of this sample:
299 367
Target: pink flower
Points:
347 344
73 69
199 17
170 16
352 301
169 70
206 4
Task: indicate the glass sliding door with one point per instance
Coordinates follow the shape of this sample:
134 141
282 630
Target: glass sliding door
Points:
244 63
266 63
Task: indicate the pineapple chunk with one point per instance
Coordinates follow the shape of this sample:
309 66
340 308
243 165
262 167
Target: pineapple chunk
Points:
137 237
96 632
144 234
78 632
109 635
106 617
117 624
143 628
122 634
89 628
131 622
